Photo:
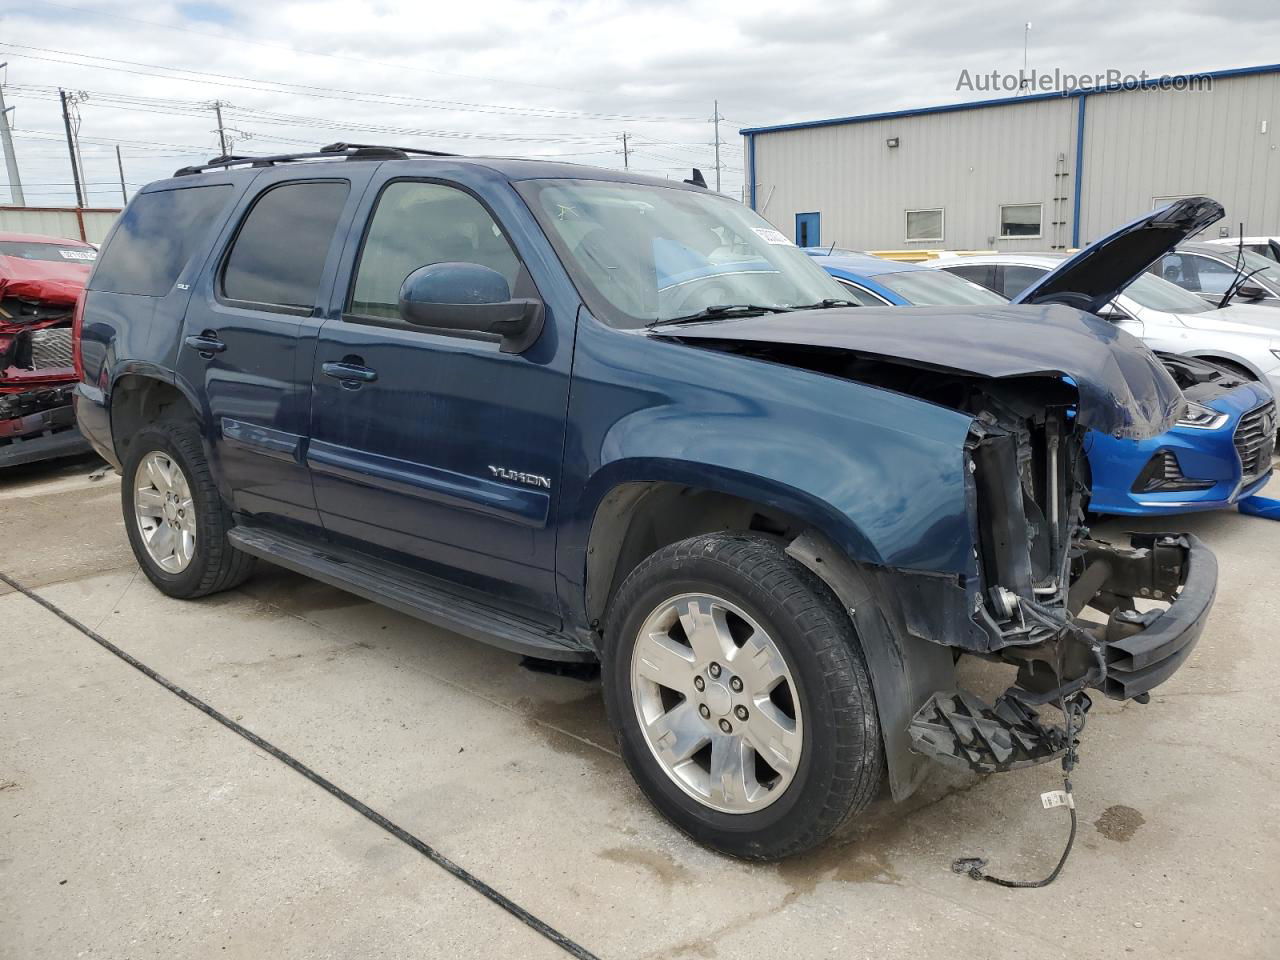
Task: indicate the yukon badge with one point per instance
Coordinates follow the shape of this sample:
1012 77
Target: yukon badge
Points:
519 476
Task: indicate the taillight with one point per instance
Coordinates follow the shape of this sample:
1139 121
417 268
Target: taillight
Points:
77 327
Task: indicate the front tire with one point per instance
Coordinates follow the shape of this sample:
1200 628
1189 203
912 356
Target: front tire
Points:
177 523
740 697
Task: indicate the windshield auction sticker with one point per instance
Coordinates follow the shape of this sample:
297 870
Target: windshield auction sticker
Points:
78 254
769 235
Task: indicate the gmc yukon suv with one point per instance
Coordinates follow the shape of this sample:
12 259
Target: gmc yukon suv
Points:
585 415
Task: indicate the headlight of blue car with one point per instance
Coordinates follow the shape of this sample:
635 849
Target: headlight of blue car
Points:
1200 417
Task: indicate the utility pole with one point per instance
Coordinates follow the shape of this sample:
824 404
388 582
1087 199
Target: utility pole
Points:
1024 81
71 148
626 154
124 194
10 161
222 133
715 119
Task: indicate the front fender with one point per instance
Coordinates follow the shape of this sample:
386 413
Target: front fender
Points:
879 473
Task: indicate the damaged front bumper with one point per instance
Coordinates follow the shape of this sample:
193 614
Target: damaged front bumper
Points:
1122 651
38 424
1141 650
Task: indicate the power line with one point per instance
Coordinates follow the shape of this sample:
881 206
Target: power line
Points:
182 108
333 93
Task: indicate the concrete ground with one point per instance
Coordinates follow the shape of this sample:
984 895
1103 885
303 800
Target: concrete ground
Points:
135 826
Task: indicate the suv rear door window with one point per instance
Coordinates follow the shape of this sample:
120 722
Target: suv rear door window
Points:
156 237
416 224
279 253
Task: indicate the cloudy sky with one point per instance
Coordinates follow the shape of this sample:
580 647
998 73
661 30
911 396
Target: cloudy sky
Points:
539 77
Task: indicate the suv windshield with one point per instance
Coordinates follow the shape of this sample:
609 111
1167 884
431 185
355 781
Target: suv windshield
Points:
934 288
1156 293
641 254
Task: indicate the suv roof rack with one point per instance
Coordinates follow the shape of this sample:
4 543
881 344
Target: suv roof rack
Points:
344 151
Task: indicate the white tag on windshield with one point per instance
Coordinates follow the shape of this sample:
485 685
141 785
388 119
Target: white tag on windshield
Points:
1057 798
78 254
770 235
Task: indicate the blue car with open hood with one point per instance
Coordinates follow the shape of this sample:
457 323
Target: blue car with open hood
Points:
1217 454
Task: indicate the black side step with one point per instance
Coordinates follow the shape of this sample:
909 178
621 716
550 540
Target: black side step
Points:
423 597
959 729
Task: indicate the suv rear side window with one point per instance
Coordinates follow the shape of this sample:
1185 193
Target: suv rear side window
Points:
156 237
416 224
278 255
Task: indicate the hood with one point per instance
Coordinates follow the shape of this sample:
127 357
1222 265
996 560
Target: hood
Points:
1096 274
1123 389
45 280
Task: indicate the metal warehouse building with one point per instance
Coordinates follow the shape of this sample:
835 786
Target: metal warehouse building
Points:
1044 171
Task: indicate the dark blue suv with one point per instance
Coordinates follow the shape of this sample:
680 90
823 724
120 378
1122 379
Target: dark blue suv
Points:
585 415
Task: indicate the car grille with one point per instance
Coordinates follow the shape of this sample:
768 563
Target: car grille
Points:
1255 440
51 348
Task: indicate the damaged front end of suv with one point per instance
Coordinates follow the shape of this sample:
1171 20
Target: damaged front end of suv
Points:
1071 613
40 280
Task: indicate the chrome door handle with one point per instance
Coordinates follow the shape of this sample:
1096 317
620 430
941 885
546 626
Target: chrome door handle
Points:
351 374
206 344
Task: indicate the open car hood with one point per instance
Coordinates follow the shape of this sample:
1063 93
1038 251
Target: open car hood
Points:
1123 388
1101 270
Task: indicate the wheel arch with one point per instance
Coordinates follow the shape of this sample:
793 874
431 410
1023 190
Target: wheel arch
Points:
633 517
636 518
1231 361
140 396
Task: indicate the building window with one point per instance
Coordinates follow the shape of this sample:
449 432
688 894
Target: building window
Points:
924 225
1020 220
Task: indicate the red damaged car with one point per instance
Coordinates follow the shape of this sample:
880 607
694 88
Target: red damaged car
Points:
40 280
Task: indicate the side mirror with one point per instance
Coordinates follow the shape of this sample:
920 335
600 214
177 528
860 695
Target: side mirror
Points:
1251 291
471 298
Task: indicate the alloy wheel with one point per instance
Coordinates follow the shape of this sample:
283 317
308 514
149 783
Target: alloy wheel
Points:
165 512
716 703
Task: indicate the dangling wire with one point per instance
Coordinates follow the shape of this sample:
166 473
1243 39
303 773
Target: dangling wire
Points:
1072 708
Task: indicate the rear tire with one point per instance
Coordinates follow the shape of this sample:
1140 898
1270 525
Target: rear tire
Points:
769 674
176 521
